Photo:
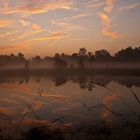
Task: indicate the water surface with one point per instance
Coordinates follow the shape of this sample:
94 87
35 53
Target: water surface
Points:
70 100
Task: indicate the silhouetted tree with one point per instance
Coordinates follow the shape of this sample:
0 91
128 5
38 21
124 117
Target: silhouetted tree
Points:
128 54
75 56
82 52
21 58
103 55
64 56
37 59
79 59
91 57
20 55
82 57
27 64
81 63
57 56
3 60
60 63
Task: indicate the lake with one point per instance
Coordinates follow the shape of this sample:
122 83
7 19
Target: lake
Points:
71 100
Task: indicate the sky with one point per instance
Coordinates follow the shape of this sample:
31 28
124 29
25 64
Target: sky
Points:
46 27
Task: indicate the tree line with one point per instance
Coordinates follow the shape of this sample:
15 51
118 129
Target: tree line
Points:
79 59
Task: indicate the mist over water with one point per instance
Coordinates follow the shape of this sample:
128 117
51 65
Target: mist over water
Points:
70 94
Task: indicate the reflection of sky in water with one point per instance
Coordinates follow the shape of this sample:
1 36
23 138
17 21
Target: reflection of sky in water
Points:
67 100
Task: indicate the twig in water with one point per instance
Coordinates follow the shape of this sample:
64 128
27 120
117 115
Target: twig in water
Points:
135 96
79 101
33 112
58 119
36 98
90 108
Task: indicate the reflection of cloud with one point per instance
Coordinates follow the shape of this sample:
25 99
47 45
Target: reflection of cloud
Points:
22 88
67 108
31 122
57 96
9 101
107 100
36 106
7 111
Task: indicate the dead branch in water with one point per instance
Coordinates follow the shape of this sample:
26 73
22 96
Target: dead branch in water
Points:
135 96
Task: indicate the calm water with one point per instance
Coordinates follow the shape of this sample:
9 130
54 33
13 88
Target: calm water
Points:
70 99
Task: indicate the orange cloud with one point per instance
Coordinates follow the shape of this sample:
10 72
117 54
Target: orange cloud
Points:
14 47
4 5
77 16
38 7
36 26
54 36
30 33
24 23
130 6
65 22
66 25
6 23
95 3
109 6
7 34
107 26
107 21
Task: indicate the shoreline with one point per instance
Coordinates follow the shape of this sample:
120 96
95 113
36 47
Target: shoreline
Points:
68 71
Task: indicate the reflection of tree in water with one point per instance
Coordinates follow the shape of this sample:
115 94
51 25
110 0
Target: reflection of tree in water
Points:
103 80
82 82
38 79
90 85
85 82
130 83
12 80
74 79
59 80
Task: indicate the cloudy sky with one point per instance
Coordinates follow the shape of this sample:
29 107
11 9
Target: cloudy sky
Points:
44 27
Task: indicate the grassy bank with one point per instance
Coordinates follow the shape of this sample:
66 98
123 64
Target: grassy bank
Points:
58 131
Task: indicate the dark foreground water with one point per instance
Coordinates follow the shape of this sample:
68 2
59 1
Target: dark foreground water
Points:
99 102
